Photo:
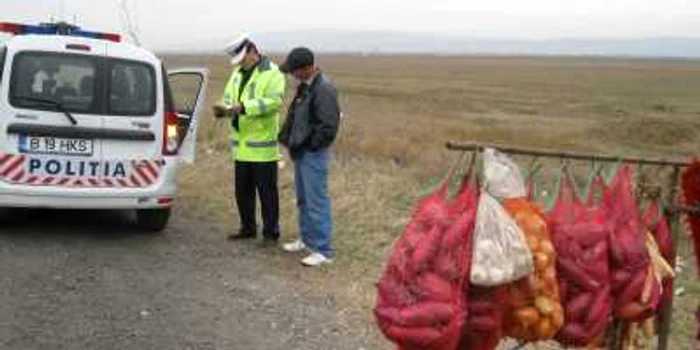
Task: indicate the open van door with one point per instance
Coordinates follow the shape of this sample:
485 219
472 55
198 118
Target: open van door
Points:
189 95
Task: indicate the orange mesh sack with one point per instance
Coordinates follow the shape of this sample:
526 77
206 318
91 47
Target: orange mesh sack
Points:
533 311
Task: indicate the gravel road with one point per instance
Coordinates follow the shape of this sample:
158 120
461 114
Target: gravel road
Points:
87 280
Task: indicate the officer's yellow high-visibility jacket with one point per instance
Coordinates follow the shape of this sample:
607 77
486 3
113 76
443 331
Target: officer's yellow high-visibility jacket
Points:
258 127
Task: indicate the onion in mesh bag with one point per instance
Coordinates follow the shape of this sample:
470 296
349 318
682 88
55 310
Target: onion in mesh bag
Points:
502 176
500 253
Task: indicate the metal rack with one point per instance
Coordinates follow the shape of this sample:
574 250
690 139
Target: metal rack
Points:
673 212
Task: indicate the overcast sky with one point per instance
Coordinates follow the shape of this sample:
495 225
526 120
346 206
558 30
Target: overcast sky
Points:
176 22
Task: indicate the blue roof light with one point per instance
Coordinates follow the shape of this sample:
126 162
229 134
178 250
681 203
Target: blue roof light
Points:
60 28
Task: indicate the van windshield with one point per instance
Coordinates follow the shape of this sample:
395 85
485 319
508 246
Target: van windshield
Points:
67 80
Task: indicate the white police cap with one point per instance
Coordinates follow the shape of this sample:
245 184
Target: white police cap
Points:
236 48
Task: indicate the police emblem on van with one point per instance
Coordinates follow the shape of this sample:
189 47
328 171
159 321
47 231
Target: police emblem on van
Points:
74 167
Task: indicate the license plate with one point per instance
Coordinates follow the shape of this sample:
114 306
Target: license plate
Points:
55 145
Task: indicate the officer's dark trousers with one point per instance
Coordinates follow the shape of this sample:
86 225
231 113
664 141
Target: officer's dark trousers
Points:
260 178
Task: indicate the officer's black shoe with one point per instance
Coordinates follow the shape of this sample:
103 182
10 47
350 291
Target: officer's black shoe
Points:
241 235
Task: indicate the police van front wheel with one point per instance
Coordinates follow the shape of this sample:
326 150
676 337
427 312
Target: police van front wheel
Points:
152 220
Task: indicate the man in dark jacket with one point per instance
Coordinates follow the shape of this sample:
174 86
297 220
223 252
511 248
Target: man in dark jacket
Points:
308 132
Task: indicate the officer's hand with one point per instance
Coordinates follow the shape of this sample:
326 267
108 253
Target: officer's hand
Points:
235 110
220 110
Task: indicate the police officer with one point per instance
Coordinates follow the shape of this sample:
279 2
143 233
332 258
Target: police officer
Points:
252 99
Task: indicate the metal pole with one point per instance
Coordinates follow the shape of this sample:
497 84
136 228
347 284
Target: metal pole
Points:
672 216
615 335
474 146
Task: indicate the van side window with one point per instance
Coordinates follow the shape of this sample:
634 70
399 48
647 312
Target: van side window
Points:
132 89
2 61
66 79
167 91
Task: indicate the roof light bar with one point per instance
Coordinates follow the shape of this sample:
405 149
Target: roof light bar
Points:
12 28
97 35
60 28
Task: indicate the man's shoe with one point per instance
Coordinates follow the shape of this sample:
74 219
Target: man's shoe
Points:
316 259
294 247
240 236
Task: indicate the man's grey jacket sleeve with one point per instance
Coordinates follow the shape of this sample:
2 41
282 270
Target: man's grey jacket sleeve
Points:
327 112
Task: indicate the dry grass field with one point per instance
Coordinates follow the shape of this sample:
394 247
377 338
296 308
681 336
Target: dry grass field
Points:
401 110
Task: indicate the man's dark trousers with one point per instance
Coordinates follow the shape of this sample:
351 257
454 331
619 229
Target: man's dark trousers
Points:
260 178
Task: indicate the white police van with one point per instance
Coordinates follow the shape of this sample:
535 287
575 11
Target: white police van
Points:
90 122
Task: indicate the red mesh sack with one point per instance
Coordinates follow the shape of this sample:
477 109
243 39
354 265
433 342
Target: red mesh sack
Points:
567 205
636 291
596 190
656 222
697 337
420 303
530 188
483 330
580 238
691 196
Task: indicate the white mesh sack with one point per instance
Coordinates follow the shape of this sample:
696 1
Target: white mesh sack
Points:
502 176
500 252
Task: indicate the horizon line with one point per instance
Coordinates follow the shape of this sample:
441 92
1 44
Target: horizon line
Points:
479 37
445 54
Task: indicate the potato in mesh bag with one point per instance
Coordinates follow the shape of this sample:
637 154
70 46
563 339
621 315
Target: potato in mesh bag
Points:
500 252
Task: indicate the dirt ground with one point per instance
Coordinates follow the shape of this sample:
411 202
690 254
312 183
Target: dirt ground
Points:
66 282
